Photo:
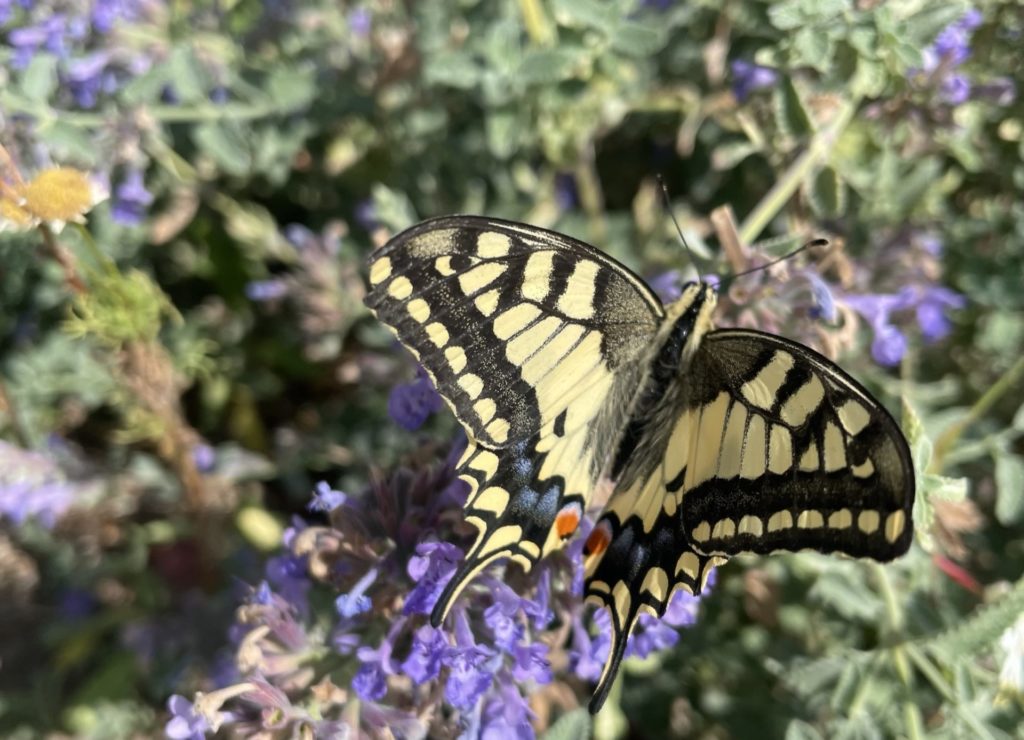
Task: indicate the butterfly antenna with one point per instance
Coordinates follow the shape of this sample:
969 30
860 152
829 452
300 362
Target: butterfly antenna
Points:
668 207
812 243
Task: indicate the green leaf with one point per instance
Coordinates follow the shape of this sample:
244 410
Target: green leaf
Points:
572 726
870 78
226 144
291 87
39 80
1010 488
826 193
813 48
1018 419
728 155
549 65
453 69
502 127
788 15
187 75
980 630
587 14
790 114
637 39
800 730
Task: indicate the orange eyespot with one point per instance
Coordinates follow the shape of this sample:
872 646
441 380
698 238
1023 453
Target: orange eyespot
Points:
598 540
567 520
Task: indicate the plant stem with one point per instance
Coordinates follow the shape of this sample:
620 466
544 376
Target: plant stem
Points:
57 251
537 25
988 399
786 185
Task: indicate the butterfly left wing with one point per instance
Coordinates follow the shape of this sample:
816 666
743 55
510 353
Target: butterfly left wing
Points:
774 447
528 336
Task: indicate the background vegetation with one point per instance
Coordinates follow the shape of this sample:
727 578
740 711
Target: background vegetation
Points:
184 354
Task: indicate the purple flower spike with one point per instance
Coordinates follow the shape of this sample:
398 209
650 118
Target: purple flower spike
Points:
748 77
471 667
326 499
888 346
824 302
261 291
506 715
356 601
650 635
532 663
956 89
587 655
185 723
411 404
431 568
371 680
131 199
429 646
931 312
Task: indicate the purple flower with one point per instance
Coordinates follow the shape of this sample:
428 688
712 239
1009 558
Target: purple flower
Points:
411 404
360 21
371 680
88 77
471 667
299 236
76 604
289 575
32 485
1000 90
566 193
185 723
650 635
931 312
748 77
955 89
668 285
108 12
953 42
824 302
506 714
889 345
428 650
204 457
356 601
587 655
431 568
504 628
531 663
266 290
131 199
326 499
366 214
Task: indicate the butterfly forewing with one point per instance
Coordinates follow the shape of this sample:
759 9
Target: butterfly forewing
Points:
525 333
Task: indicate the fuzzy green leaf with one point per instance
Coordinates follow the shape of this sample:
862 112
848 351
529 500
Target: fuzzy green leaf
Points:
572 726
980 630
826 193
1010 488
226 144
791 116
39 80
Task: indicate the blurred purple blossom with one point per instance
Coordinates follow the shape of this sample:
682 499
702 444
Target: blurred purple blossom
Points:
356 601
955 89
824 302
430 568
185 723
930 305
131 199
506 714
667 285
326 499
748 77
428 649
366 214
261 291
411 404
471 666
566 192
205 457
33 486
370 681
360 21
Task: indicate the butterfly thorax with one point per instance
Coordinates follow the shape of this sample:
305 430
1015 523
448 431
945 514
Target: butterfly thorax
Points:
657 395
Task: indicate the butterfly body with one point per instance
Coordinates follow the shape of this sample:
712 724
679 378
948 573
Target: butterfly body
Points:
580 391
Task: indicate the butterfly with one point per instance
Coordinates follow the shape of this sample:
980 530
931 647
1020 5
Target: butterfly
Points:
581 392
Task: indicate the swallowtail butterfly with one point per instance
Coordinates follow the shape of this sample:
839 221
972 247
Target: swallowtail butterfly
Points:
579 391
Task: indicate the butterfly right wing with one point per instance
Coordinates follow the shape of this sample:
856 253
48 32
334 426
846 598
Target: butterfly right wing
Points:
526 333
